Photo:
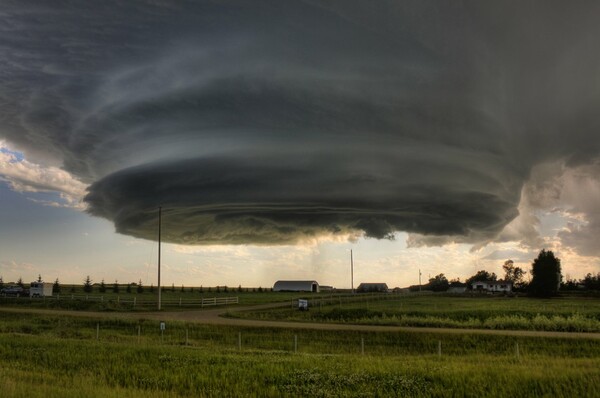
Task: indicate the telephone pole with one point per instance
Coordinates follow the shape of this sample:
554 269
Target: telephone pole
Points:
351 271
159 222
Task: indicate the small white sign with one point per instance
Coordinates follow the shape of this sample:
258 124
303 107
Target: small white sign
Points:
162 326
302 304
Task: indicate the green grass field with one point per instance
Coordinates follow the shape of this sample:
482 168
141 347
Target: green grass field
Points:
68 356
62 356
575 314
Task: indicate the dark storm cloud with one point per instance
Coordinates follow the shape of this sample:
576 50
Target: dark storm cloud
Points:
270 122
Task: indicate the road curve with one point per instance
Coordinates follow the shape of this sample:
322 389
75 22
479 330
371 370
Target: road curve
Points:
214 317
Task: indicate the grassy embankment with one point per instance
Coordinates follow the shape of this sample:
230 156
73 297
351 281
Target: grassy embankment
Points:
572 314
60 356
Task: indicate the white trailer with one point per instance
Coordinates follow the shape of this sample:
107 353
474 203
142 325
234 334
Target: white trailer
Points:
40 289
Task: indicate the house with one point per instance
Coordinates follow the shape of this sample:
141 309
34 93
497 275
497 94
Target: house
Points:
492 286
296 286
372 287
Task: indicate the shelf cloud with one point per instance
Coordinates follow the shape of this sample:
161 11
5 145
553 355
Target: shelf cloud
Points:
272 123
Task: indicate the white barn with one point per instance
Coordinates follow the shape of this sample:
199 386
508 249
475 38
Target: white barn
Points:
492 286
296 286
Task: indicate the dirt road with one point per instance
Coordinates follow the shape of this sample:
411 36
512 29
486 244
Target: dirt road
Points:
214 317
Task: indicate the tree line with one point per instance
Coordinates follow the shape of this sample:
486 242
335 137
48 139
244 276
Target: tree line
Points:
546 278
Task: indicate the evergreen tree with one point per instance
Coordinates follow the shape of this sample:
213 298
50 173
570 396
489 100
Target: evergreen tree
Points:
240 288
1 282
56 286
218 289
128 288
20 282
546 275
116 286
87 285
182 289
140 288
102 287
173 288
40 278
152 288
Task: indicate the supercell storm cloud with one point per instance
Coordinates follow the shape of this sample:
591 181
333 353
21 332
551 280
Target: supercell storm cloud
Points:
273 122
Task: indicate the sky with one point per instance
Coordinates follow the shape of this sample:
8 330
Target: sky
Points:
446 137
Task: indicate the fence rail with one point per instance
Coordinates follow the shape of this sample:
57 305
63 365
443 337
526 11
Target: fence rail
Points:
181 302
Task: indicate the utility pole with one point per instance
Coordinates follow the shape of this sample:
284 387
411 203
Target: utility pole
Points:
419 279
159 222
351 271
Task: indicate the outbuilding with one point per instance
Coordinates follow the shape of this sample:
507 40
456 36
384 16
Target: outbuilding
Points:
492 286
372 287
296 286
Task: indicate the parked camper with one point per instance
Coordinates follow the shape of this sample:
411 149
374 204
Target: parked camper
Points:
40 289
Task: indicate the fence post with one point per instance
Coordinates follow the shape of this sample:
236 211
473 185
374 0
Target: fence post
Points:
362 346
517 349
139 332
440 348
98 331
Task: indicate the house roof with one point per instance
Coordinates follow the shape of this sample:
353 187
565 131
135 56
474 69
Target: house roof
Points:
500 282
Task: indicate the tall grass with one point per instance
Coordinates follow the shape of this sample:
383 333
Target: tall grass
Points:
568 315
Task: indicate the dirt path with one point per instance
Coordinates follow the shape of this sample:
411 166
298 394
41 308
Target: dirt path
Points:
213 317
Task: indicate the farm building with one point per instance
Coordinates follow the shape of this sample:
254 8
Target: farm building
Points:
372 287
492 286
296 286
457 287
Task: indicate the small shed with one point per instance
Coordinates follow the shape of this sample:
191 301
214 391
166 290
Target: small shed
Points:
372 287
492 286
296 286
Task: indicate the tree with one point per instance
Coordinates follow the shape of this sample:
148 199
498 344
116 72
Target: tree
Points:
87 285
140 288
152 288
40 278
480 276
513 274
56 286
128 288
116 286
182 289
439 283
1 282
20 282
591 282
546 275
102 287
